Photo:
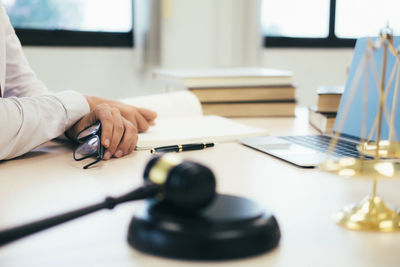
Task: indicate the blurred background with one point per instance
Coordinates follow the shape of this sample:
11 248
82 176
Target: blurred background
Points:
110 48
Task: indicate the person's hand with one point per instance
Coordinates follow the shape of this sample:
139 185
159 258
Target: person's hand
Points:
118 135
140 117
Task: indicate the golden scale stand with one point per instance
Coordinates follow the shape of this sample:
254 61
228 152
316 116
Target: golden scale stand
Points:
372 214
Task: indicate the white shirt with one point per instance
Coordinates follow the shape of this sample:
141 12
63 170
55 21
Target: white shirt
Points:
29 113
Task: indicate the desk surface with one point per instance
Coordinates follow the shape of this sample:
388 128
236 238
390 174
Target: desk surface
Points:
48 181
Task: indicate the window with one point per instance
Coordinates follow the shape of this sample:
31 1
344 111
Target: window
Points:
72 22
359 18
325 23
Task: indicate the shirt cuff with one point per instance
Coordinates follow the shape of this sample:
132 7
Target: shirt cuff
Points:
75 105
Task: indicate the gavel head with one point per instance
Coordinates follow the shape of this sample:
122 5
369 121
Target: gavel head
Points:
185 185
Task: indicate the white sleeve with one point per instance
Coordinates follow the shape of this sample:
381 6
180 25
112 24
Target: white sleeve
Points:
20 80
30 121
30 114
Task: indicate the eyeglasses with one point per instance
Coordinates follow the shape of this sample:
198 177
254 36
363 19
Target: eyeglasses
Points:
90 139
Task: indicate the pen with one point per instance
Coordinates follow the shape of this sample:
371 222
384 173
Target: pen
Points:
180 148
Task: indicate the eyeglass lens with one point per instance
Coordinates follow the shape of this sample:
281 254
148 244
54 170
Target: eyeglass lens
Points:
87 149
92 130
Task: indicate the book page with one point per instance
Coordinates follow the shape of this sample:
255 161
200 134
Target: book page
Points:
180 121
169 105
185 130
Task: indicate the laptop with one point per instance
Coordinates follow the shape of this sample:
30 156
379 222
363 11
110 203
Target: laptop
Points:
364 76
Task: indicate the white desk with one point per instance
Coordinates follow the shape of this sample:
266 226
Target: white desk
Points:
48 181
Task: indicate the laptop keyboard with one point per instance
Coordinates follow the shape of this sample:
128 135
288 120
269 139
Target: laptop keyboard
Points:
321 143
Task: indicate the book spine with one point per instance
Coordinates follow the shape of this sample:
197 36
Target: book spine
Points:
244 94
252 109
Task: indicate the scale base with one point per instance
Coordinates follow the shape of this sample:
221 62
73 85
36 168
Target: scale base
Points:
230 227
371 214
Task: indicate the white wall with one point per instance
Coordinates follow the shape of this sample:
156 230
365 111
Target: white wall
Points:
188 37
112 72
311 68
210 33
107 72
194 33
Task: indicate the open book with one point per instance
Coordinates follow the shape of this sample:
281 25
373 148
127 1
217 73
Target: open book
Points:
180 121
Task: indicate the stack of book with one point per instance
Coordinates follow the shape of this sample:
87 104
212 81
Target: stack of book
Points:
322 117
236 92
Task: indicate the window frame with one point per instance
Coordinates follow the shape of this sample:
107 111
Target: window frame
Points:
330 41
76 38
36 37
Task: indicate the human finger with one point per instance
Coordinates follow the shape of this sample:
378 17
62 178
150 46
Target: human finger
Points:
142 123
117 133
103 113
129 139
148 114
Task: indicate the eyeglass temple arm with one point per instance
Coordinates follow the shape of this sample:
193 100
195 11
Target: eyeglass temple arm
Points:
90 164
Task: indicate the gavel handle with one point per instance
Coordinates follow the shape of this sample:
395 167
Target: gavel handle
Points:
21 231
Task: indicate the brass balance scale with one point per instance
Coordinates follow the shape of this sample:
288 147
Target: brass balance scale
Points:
379 159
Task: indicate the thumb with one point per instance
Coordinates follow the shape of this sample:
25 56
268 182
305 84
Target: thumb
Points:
148 114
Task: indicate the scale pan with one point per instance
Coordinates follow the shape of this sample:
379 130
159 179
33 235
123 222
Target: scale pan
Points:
386 149
362 168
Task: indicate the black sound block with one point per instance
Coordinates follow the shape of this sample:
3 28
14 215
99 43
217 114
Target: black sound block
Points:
230 227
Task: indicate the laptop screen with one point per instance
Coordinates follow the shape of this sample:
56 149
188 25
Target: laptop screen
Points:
360 101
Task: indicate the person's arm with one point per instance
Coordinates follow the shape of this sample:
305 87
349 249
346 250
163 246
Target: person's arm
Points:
19 78
30 121
29 114
35 115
